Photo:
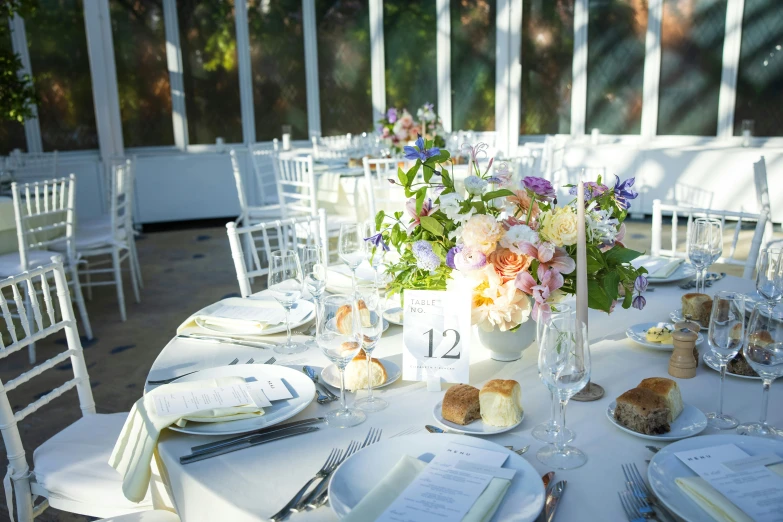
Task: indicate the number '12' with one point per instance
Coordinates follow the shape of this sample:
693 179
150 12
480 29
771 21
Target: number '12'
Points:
431 333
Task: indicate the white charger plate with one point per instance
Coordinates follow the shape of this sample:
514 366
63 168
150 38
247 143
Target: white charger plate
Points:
331 375
264 301
676 316
665 467
477 427
638 333
299 384
394 315
712 364
690 422
523 501
684 271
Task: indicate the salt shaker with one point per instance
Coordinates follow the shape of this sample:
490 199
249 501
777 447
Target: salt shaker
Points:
682 364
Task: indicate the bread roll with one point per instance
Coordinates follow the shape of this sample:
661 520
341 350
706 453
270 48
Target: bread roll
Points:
501 403
643 411
344 316
356 372
461 404
668 390
698 307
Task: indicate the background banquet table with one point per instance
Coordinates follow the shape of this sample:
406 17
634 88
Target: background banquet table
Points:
252 484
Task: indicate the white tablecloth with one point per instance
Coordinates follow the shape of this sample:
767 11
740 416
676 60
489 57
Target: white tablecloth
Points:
252 484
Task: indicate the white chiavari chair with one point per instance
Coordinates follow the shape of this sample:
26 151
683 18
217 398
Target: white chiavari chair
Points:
264 238
689 213
341 146
762 195
70 471
380 193
262 155
250 214
34 166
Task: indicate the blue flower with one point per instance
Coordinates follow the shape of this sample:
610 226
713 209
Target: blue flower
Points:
623 192
640 284
419 152
428 261
639 302
377 241
421 248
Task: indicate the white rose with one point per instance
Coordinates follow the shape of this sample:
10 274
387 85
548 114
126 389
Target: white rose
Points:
517 235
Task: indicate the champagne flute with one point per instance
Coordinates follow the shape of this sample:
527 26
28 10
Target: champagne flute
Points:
372 329
705 246
564 363
548 431
764 353
286 285
726 334
352 248
769 275
339 337
315 273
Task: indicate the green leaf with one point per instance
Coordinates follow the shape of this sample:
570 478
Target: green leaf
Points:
402 176
596 297
420 195
428 172
439 250
379 219
430 224
443 156
595 262
619 255
628 300
611 284
413 171
500 193
444 175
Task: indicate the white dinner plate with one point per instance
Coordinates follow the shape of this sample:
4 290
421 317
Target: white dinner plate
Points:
394 315
299 384
676 316
307 308
684 271
665 467
477 427
331 375
690 422
366 468
711 363
638 333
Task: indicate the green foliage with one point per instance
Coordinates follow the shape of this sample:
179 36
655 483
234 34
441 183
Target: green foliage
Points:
17 95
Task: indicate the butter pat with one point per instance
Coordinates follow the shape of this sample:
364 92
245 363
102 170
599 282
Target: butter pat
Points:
501 403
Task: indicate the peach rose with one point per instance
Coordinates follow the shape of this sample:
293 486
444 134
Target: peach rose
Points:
508 264
518 206
482 232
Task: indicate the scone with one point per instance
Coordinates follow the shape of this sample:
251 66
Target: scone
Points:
643 411
668 390
344 316
461 404
659 334
356 372
698 307
501 403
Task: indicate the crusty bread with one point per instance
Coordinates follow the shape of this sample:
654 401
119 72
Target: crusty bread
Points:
668 390
642 410
739 366
356 372
461 404
501 402
698 307
344 316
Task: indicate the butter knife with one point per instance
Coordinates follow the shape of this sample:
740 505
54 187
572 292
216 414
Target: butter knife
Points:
201 448
553 499
256 441
324 394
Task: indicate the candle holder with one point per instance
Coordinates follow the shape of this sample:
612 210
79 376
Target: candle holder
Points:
591 392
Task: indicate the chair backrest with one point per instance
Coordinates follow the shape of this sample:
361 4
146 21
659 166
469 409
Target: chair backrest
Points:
296 188
121 199
340 146
762 194
34 165
264 238
692 196
13 288
692 213
243 205
44 212
263 156
553 160
380 193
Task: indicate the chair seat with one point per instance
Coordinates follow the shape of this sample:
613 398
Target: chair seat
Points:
91 238
97 222
156 515
73 469
11 264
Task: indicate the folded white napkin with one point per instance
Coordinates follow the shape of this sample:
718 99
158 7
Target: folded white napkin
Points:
339 276
658 267
712 501
264 309
329 187
134 448
402 475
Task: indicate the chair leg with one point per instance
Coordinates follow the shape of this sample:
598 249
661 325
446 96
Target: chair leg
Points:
79 298
135 265
134 278
29 310
115 258
88 278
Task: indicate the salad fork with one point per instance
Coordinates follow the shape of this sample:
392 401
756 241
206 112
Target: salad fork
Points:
639 489
331 463
628 508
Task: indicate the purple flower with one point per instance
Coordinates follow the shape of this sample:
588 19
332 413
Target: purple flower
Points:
437 189
623 192
639 302
540 187
592 190
419 152
391 115
420 248
640 285
377 241
429 106
392 181
450 256
469 259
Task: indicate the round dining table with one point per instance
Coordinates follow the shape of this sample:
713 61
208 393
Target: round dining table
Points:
254 483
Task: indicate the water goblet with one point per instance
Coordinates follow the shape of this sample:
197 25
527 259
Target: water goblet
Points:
769 275
286 284
705 246
726 335
315 275
352 248
369 303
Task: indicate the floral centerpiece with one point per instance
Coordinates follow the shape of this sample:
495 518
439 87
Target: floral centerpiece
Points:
513 246
399 127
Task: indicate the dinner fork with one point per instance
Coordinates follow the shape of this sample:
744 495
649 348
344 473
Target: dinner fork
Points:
271 360
639 489
172 379
250 361
407 431
331 462
628 508
321 486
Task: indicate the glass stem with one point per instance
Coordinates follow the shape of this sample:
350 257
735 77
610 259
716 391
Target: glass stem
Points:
766 383
554 413
560 438
288 325
369 379
342 389
723 367
353 279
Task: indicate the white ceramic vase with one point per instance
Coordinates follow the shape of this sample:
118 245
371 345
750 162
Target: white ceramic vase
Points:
508 346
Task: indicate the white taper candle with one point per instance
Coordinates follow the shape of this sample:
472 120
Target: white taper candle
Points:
581 256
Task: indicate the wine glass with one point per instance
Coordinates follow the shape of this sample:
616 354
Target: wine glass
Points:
705 246
372 329
764 353
376 254
314 270
352 248
726 334
286 285
769 275
548 431
339 337
564 363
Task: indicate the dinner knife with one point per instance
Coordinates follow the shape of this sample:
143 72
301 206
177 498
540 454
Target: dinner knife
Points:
547 480
553 499
246 436
227 340
256 441
322 390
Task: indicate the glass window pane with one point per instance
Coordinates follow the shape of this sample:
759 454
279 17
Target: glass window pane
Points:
615 65
691 62
473 64
277 58
547 56
139 36
61 71
760 77
211 75
344 66
11 133
410 53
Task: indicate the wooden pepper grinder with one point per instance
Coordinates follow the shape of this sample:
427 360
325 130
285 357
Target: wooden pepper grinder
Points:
693 326
682 364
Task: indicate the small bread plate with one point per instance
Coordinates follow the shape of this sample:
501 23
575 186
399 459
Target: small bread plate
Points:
638 333
676 316
477 427
393 315
363 470
690 422
665 468
302 312
299 384
713 364
684 271
331 375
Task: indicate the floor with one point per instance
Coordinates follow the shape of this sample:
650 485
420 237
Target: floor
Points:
183 271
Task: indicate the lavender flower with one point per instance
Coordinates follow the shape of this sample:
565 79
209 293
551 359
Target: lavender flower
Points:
469 259
592 190
429 261
391 115
419 152
623 192
453 251
421 248
377 241
639 302
539 187
640 285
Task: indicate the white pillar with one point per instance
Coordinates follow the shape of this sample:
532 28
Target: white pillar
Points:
32 126
579 70
174 60
245 72
652 70
443 49
311 68
508 76
377 60
732 43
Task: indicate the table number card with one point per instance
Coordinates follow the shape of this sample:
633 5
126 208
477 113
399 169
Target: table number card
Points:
436 334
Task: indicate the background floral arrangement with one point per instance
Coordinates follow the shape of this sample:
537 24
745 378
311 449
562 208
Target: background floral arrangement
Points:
513 246
400 127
